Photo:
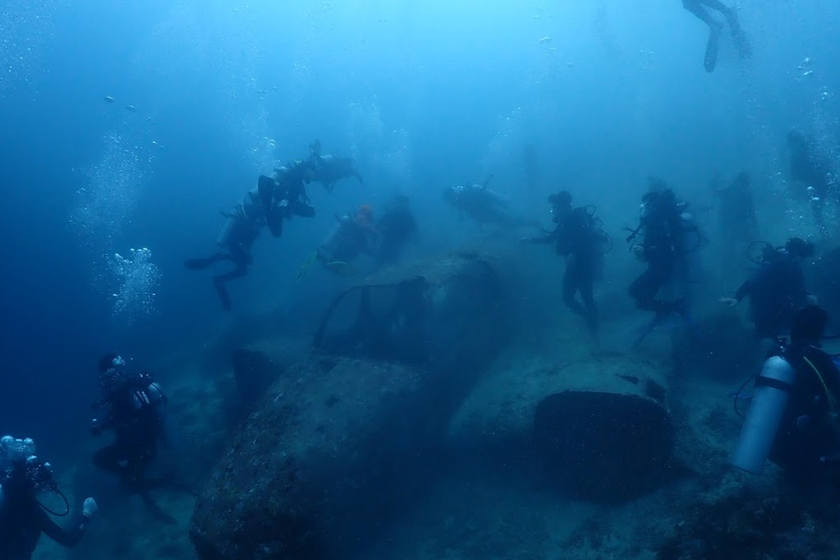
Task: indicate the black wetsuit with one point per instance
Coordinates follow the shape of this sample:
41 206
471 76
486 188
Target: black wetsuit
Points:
22 520
285 196
663 251
248 219
578 238
776 291
134 410
396 227
240 230
807 446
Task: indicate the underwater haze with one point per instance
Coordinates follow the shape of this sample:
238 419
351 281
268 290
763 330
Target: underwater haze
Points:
128 127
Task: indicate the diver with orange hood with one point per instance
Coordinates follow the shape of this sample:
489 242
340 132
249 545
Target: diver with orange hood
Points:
353 235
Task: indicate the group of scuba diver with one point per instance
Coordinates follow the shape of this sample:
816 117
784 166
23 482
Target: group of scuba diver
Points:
793 413
793 417
133 407
280 198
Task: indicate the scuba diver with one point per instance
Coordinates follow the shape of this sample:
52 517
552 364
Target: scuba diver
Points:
331 168
395 228
241 228
792 419
812 171
737 222
351 236
134 408
777 289
700 8
482 205
579 237
22 516
669 239
284 195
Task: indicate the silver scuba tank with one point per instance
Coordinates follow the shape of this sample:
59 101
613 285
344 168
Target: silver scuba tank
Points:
772 393
227 228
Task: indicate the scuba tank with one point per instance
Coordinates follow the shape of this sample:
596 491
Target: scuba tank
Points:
227 228
772 393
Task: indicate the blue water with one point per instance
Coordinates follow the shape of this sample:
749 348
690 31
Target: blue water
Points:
423 94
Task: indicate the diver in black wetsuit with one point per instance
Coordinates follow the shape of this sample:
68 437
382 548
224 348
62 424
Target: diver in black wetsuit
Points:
665 230
482 205
777 289
794 409
241 228
271 202
807 446
134 409
331 168
284 195
352 236
700 8
22 517
579 237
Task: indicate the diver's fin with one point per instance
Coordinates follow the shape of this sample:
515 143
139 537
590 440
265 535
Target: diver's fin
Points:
487 181
710 61
304 268
200 264
155 510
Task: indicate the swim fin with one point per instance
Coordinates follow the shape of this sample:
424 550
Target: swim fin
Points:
155 510
200 264
304 268
712 47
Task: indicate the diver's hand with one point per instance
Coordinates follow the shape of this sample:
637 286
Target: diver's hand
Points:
89 508
812 299
95 427
731 302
